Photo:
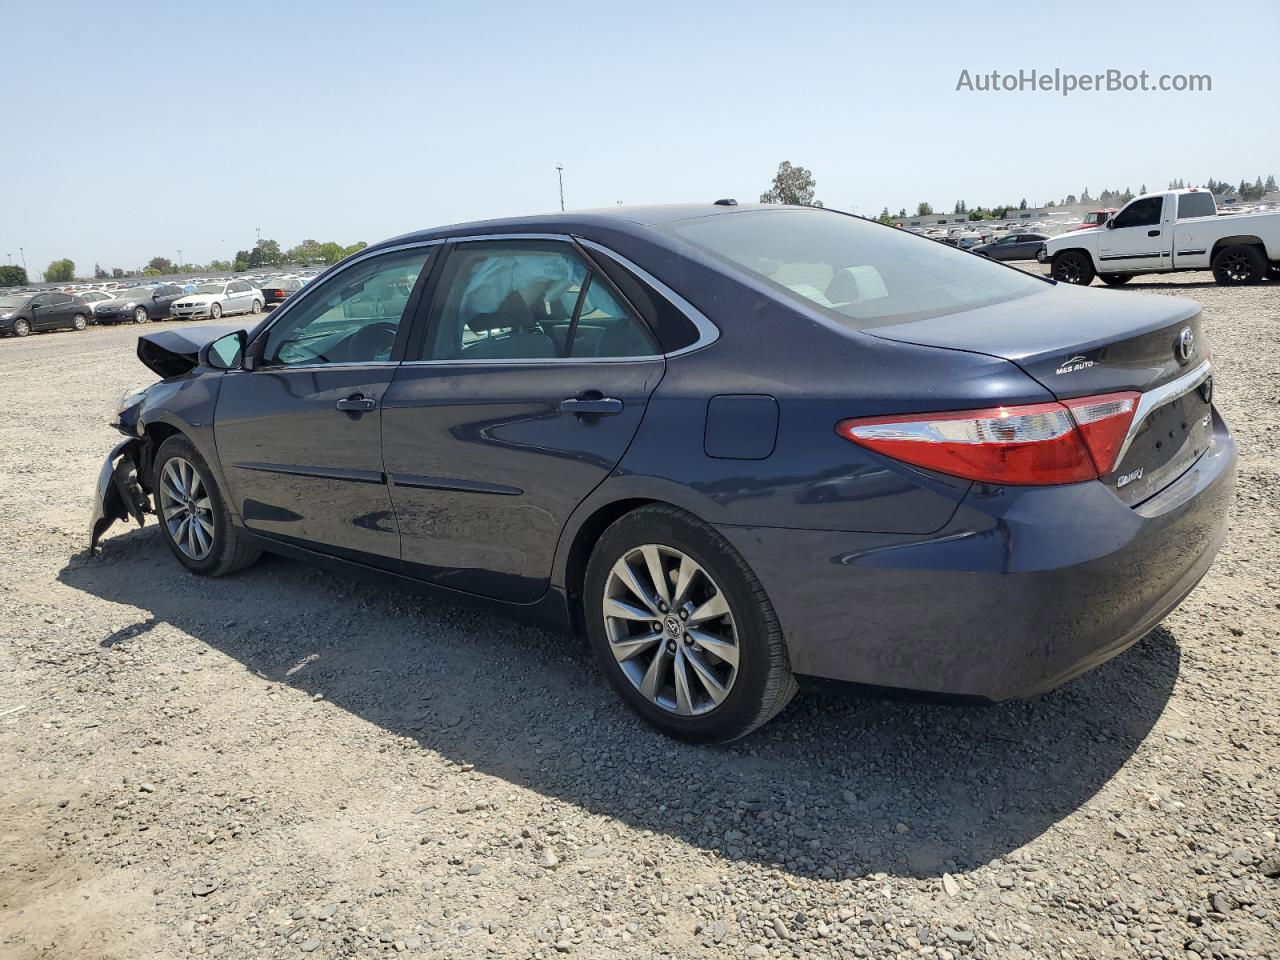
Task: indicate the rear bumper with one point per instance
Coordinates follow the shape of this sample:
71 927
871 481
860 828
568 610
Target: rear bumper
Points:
1024 589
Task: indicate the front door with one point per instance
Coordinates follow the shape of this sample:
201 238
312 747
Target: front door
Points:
1138 239
300 434
532 381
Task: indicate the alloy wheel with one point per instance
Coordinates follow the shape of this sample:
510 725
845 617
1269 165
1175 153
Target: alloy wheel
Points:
140 315
1067 270
79 322
1237 266
670 629
186 509
215 311
21 328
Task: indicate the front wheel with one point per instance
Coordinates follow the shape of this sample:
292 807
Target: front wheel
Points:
193 515
215 311
1073 267
1239 264
1115 279
79 322
140 315
21 327
683 629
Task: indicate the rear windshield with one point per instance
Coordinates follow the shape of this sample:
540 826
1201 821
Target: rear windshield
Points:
861 272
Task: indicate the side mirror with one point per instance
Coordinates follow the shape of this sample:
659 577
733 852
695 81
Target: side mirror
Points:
225 353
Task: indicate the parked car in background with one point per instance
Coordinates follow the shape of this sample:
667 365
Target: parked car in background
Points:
1012 246
24 313
1094 218
218 299
93 298
1022 479
1167 232
278 291
138 304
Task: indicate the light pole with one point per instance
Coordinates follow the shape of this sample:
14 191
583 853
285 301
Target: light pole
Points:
258 230
560 176
179 265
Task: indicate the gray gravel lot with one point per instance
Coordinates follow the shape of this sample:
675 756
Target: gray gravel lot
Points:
288 762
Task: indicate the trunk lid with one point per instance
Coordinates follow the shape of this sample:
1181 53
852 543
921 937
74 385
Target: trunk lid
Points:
1079 342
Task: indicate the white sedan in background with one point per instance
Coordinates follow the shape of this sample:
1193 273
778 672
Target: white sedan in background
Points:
214 300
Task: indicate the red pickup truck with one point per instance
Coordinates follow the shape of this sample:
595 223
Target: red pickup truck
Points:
1094 218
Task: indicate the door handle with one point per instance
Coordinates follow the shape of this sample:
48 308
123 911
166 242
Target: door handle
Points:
591 407
356 404
1153 233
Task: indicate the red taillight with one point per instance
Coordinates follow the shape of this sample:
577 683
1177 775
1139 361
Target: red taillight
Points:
1032 445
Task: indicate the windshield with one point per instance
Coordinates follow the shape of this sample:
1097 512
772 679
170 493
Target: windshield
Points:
13 300
861 272
211 288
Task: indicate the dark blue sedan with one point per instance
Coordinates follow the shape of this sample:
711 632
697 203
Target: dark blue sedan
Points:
736 447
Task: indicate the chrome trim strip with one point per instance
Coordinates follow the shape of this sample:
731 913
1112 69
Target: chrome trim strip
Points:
319 473
708 332
526 361
562 237
289 368
1157 398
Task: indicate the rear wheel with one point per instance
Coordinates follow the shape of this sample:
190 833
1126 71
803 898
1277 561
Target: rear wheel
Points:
1073 267
1115 279
683 629
193 515
140 315
79 322
1239 264
257 307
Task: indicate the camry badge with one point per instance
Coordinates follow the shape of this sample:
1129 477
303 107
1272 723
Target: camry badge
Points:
1186 344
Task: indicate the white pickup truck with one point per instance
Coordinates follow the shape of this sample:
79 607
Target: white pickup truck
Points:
1165 232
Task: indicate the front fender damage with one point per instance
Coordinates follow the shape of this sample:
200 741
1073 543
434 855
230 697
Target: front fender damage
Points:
119 494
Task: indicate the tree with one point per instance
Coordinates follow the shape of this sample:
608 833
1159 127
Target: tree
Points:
160 265
1023 204
117 273
220 266
1270 185
354 248
268 253
792 185
308 251
1126 196
241 261
1143 189
60 271
886 217
11 276
923 209
151 272
1084 197
99 273
1070 200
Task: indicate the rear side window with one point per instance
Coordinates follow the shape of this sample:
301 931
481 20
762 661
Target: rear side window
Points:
529 300
861 273
1196 205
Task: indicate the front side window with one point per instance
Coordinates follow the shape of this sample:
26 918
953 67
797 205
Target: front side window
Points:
861 273
353 317
1140 213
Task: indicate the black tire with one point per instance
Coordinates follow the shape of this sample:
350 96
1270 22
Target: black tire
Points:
79 323
1073 266
21 327
763 684
232 549
140 315
215 311
1115 279
1239 264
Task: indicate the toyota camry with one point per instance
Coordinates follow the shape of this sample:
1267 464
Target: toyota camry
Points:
736 447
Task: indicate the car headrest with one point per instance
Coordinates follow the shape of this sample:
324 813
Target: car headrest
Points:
843 287
512 312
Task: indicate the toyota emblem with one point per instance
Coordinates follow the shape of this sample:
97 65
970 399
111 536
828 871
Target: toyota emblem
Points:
1186 344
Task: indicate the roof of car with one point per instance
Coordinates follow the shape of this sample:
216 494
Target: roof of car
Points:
572 221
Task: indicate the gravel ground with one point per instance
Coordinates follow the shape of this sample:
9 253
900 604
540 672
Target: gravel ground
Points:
289 762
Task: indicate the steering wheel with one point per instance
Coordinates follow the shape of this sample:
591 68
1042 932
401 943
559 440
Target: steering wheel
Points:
373 341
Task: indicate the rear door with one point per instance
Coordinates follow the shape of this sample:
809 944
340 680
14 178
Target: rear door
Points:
529 385
1139 238
300 435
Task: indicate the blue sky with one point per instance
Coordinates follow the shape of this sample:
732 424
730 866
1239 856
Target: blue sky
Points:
136 129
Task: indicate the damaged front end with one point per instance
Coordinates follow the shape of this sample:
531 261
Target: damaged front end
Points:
119 494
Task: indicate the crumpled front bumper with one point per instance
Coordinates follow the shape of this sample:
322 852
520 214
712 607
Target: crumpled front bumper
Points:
118 495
